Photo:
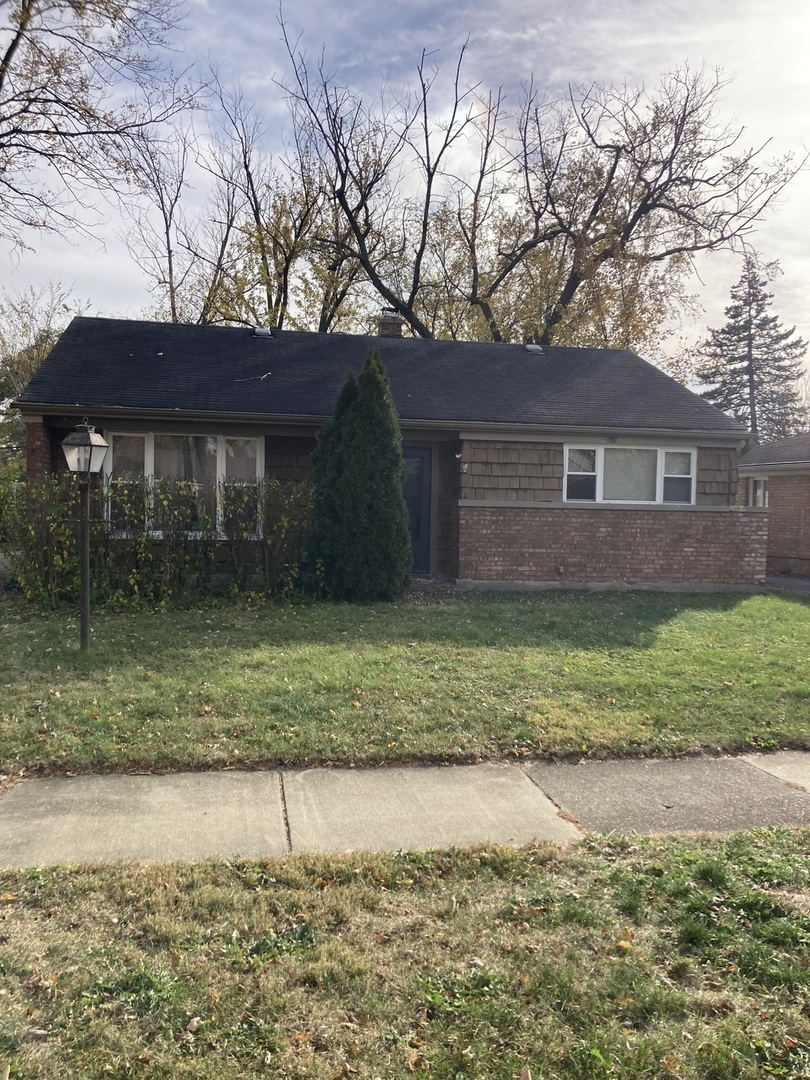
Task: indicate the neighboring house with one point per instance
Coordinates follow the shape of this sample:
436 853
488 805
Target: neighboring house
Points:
523 464
777 475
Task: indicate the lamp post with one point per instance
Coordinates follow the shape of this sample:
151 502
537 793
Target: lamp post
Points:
84 452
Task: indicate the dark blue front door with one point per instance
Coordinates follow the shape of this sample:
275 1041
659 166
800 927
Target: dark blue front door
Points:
417 499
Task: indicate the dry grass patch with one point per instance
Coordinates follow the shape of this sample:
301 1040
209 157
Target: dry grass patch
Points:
611 959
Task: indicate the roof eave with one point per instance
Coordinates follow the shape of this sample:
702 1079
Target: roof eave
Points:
774 466
490 428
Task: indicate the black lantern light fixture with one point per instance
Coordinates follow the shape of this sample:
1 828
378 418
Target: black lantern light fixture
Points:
85 451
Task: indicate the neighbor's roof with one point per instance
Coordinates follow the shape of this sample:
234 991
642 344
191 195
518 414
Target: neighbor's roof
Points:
794 450
99 365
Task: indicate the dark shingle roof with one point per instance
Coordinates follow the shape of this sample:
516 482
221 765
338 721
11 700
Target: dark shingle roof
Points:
793 450
99 364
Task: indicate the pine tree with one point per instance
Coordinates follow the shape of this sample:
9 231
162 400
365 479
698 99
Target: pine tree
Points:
361 544
377 554
367 554
752 364
327 468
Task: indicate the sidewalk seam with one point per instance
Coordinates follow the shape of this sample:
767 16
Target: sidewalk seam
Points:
746 760
284 814
562 813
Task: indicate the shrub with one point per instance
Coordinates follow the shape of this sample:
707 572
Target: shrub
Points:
157 541
327 467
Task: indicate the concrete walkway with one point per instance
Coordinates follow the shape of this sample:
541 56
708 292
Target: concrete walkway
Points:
787 583
98 819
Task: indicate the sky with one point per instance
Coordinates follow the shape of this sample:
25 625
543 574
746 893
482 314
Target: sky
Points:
510 41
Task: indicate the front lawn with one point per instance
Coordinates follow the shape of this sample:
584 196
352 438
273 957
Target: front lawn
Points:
651 960
454 677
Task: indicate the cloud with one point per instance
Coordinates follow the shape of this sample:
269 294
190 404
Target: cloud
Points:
579 41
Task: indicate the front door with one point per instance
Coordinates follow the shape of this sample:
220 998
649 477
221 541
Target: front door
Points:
417 499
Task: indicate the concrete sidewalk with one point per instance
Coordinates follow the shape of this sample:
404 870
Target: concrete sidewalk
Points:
98 819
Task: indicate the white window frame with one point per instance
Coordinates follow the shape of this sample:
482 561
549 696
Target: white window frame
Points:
758 491
660 451
149 463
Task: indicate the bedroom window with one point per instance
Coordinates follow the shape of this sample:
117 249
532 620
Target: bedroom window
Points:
629 474
757 492
581 478
199 465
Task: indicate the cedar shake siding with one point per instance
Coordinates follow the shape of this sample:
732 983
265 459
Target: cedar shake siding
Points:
512 471
716 476
533 472
288 457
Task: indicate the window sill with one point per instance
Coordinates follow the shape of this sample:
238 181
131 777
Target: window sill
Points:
156 535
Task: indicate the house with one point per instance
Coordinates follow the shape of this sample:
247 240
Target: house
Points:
524 464
777 475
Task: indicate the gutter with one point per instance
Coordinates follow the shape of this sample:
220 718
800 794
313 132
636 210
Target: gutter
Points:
775 466
467 429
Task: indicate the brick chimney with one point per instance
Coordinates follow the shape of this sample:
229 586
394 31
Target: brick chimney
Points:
390 323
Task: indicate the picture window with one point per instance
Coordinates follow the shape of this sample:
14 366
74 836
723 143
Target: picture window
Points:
629 474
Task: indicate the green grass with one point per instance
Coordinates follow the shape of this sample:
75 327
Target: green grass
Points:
448 678
651 959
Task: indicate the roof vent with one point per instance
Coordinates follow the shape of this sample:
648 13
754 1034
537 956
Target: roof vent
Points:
262 331
535 349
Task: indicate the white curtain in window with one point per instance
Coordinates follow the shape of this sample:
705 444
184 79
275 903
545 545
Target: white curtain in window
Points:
127 457
629 474
240 461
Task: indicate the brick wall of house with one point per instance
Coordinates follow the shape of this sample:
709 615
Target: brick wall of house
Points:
508 543
716 476
512 471
43 450
38 454
288 458
789 523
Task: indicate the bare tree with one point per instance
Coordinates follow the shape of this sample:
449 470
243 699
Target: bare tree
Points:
625 179
78 81
655 174
209 242
278 207
384 166
156 226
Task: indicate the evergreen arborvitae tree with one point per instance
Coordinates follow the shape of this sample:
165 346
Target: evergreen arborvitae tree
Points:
368 556
752 364
327 468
